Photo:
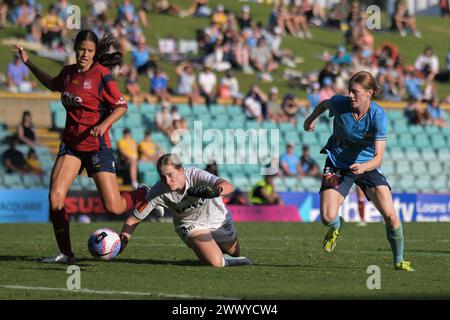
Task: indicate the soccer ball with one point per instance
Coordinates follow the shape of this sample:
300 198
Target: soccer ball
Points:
104 243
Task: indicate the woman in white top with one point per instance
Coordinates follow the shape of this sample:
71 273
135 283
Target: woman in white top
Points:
201 219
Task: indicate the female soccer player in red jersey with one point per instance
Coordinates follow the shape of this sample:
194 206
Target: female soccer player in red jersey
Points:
93 103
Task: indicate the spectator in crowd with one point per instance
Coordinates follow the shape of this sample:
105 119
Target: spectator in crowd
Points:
237 198
240 53
23 15
327 90
444 7
211 167
159 85
141 57
289 109
413 84
144 9
219 17
53 28
164 121
262 60
126 12
289 162
313 96
128 154
165 7
403 20
273 105
148 149
229 88
342 57
308 167
3 14
187 83
207 82
254 104
25 131
245 19
331 70
444 75
61 7
300 22
13 159
427 64
415 114
134 89
18 76
435 113
337 17
264 193
199 8
33 162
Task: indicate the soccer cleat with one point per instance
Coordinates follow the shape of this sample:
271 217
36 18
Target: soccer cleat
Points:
60 258
236 261
404 266
329 242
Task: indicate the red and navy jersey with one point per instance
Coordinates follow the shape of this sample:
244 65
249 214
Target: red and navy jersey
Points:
88 97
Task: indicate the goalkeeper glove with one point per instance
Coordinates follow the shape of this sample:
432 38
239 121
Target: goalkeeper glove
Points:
123 242
204 191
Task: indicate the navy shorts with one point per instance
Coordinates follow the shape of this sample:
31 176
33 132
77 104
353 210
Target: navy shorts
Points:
94 161
342 180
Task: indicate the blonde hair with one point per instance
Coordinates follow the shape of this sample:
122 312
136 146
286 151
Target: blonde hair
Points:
169 159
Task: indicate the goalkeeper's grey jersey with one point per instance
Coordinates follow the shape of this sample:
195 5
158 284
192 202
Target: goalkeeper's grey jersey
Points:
187 208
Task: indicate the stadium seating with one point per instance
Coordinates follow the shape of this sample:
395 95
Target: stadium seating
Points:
413 152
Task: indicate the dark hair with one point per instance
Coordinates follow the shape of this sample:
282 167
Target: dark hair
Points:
102 47
366 80
25 114
169 159
126 131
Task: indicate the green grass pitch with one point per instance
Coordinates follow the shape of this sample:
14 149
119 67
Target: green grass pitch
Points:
288 264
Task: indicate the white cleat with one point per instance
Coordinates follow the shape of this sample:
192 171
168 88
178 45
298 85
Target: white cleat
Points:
236 261
60 258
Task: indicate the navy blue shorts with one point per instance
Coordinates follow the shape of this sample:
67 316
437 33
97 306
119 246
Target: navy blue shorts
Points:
342 180
94 161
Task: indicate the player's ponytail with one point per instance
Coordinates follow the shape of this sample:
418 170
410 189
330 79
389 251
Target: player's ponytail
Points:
169 159
103 54
102 48
367 81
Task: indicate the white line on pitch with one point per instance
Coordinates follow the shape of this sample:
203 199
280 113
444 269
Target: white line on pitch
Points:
128 293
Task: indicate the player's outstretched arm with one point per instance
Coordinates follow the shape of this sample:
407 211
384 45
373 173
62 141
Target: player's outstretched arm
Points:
308 125
42 76
226 187
127 230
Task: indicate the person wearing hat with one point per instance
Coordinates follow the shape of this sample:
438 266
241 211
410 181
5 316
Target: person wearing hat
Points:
245 20
219 16
289 109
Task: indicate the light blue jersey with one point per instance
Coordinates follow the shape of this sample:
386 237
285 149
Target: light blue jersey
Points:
354 141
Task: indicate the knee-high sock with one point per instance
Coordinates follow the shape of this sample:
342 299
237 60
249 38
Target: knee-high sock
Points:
335 224
361 207
60 221
131 198
395 238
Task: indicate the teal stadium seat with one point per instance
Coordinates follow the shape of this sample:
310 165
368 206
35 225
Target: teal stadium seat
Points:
438 141
402 167
428 154
423 184
419 168
13 181
416 129
435 168
421 141
388 168
439 184
406 141
413 155
31 181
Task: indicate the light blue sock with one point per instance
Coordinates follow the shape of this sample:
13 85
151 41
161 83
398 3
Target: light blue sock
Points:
335 224
395 238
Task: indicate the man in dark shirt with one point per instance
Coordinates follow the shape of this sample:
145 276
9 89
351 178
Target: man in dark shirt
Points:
14 160
308 166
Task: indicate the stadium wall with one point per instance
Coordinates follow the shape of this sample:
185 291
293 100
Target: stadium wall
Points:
23 206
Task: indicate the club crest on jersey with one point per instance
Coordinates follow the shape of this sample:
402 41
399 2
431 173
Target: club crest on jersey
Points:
87 84
69 99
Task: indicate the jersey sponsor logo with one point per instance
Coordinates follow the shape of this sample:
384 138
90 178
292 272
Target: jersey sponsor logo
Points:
69 99
185 229
87 84
121 101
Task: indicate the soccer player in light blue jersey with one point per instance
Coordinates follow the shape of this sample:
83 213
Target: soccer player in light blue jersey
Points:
355 153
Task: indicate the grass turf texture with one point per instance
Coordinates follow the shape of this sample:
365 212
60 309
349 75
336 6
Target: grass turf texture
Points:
288 264
434 29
